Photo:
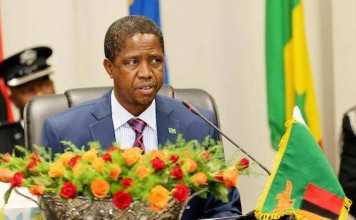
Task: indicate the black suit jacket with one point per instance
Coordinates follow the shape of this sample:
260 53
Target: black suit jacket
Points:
11 135
347 172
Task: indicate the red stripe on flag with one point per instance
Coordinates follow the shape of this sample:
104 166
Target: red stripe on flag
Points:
323 199
3 88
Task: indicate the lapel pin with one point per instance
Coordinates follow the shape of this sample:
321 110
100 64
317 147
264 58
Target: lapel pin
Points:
172 131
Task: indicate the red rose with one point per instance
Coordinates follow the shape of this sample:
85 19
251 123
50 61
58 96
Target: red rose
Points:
219 177
73 161
17 179
181 192
34 161
177 173
174 158
107 157
158 164
31 166
68 190
244 163
127 182
122 200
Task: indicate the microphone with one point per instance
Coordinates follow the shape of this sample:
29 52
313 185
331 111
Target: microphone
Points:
250 215
196 112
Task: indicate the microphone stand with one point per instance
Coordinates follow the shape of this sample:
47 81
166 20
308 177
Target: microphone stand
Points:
196 112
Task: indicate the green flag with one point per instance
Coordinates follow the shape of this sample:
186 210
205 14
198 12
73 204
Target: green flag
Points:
289 75
302 182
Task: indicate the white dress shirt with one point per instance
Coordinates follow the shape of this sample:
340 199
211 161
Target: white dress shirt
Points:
125 136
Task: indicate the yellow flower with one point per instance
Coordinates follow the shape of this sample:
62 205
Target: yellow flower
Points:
77 169
200 179
132 155
98 164
65 158
99 188
115 172
190 165
90 155
56 170
142 172
158 198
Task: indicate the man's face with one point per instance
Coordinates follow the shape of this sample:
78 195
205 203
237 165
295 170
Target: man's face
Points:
20 95
137 72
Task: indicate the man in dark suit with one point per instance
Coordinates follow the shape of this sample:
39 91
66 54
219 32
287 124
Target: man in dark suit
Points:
27 75
347 172
132 114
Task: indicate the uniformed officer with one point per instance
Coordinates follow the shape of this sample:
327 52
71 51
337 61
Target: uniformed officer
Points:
27 75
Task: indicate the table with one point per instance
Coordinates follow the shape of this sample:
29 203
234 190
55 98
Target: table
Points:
18 207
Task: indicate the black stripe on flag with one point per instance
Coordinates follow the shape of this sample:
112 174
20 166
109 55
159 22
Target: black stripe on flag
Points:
310 207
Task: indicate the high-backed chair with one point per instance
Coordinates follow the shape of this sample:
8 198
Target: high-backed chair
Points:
40 108
37 111
198 98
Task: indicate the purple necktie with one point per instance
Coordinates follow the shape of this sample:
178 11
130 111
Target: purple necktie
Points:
138 125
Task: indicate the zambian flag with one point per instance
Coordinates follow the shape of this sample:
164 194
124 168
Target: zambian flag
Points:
302 182
289 77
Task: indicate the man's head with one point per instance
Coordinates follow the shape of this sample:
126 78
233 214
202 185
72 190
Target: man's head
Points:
22 94
27 75
134 51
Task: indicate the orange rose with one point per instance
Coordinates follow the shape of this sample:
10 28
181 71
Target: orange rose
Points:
142 172
158 154
205 155
5 175
98 164
230 177
132 155
190 166
5 158
158 198
200 179
37 190
99 188
56 170
115 172
112 149
90 155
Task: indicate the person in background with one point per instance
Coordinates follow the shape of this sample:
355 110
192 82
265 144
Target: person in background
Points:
132 113
27 74
347 171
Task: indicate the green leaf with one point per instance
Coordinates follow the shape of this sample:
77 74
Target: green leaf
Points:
7 195
220 192
115 187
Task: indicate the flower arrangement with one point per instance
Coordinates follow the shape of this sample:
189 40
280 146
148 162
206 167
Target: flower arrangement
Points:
174 172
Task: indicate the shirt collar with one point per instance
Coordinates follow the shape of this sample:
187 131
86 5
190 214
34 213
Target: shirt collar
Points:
120 115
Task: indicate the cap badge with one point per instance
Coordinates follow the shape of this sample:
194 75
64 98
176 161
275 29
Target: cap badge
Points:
28 57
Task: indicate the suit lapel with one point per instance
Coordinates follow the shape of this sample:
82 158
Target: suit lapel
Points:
102 129
167 125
